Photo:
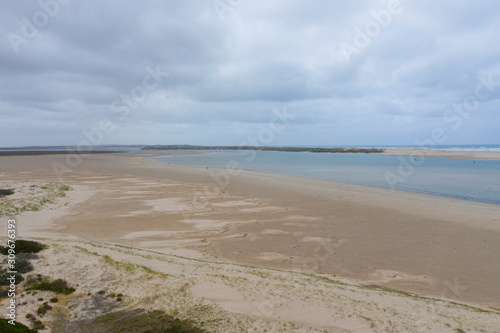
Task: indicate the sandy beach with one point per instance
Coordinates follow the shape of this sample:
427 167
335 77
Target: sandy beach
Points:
265 249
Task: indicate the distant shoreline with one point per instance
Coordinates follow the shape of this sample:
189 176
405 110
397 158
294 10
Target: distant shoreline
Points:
264 148
412 152
176 149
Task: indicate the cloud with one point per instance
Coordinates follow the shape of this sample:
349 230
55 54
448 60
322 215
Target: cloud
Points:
83 59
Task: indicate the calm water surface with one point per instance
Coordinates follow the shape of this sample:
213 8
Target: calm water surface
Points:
477 180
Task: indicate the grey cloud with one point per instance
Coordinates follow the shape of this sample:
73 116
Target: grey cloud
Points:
227 76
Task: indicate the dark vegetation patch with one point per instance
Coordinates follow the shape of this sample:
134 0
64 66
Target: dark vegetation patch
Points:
23 266
24 246
132 321
43 309
25 250
4 280
59 286
6 192
38 325
267 148
5 327
89 307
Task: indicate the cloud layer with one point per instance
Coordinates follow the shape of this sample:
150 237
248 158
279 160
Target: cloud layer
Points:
370 72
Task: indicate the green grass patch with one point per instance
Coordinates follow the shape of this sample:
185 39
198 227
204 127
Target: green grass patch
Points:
135 321
131 267
417 297
64 188
33 201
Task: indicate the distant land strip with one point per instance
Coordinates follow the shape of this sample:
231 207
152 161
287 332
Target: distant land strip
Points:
53 152
285 149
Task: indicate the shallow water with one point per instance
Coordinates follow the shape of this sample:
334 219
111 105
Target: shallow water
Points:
477 180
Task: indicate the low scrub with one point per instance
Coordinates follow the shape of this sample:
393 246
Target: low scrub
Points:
17 328
133 321
5 279
43 309
24 246
6 192
59 286
23 266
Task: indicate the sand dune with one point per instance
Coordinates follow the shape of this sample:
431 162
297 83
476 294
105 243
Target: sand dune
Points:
256 239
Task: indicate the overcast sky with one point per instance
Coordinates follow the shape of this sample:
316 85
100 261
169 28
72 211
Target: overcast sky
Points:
217 72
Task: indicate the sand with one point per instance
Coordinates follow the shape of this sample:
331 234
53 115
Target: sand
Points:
276 227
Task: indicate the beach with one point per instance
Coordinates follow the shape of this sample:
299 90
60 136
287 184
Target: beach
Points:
383 248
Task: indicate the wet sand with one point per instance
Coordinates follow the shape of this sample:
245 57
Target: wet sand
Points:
429 245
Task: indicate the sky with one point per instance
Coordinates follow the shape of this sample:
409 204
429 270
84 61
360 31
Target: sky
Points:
230 72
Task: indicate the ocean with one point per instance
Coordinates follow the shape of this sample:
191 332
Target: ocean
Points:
477 180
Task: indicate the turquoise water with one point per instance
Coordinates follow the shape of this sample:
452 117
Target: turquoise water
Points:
477 180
